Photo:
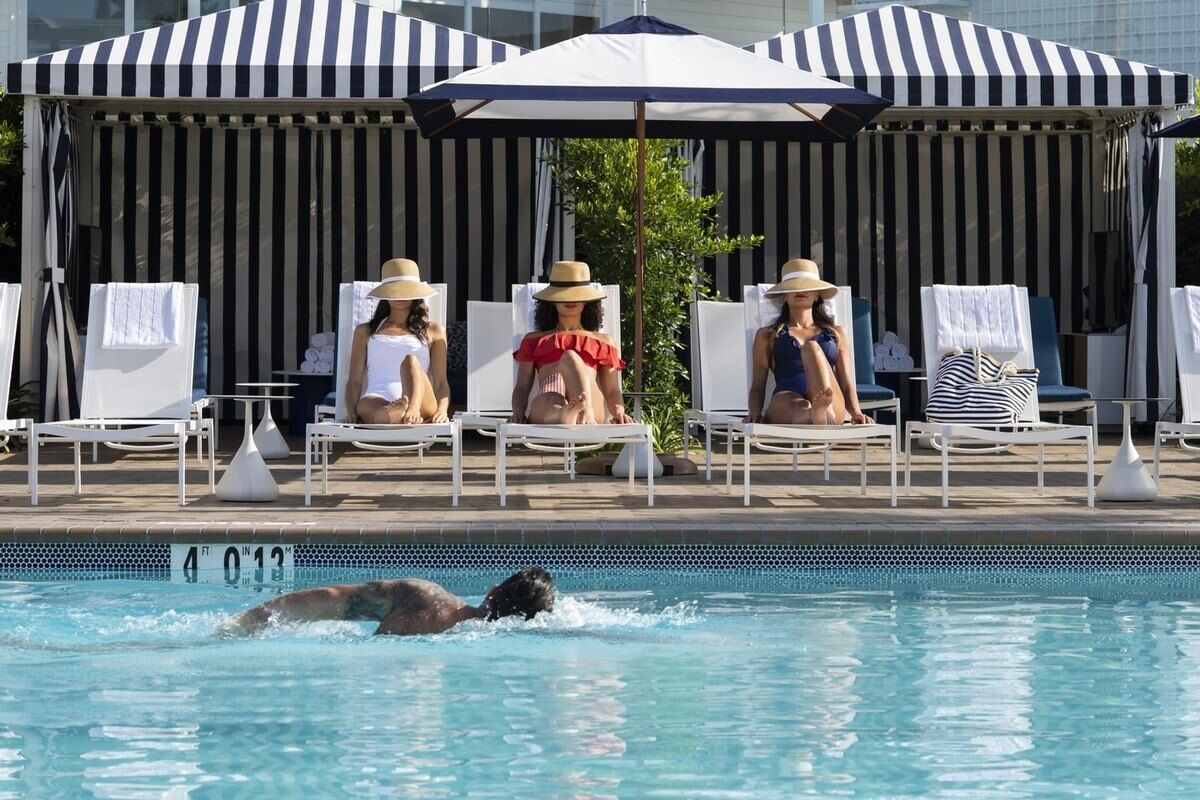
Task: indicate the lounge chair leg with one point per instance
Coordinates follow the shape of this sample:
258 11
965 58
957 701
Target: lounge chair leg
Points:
1157 451
649 469
945 470
729 460
796 460
212 458
501 465
78 470
496 463
707 452
326 447
827 449
1041 470
455 464
308 450
908 440
745 470
633 468
182 466
1091 472
862 480
33 466
892 447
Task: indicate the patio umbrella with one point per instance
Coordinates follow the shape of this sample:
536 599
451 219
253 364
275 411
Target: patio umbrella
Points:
1184 129
638 78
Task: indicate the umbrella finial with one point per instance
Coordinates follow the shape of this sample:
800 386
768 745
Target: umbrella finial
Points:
642 7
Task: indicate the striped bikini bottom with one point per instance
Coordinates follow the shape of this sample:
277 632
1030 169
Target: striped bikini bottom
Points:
553 383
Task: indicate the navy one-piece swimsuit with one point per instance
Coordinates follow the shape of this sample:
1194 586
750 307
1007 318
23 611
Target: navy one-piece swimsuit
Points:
789 364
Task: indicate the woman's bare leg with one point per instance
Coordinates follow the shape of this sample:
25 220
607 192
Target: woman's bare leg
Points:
828 405
377 411
418 391
575 407
789 408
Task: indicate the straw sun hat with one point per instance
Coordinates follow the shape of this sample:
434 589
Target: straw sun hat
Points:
401 281
570 282
802 275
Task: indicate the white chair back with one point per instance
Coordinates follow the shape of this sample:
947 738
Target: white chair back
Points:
718 357
353 304
489 357
761 310
1186 357
10 310
138 384
1023 358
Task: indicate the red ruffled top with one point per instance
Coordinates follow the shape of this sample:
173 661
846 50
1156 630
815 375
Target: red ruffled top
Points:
550 347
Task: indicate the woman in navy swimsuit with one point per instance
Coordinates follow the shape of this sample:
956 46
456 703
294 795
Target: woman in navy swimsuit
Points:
803 348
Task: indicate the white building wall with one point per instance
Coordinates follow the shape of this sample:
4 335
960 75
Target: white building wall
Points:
10 34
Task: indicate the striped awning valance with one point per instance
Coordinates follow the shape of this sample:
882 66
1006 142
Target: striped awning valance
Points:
919 59
285 49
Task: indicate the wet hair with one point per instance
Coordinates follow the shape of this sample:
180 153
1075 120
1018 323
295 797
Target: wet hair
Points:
545 316
417 322
821 318
526 592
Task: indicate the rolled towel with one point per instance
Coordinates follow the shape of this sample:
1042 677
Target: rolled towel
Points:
324 366
899 350
906 362
327 353
324 339
882 351
308 367
890 339
312 354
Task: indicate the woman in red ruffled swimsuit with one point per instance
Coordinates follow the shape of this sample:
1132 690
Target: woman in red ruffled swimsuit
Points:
577 368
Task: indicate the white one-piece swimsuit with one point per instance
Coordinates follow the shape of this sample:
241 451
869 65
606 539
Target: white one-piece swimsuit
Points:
385 354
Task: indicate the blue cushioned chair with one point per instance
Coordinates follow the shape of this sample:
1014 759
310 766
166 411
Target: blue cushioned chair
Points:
1053 396
871 396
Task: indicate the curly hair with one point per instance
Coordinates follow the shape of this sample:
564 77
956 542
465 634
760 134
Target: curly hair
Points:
526 592
545 316
417 322
821 318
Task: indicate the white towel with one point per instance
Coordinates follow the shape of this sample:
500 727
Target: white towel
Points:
326 354
882 351
324 339
890 339
978 316
899 351
1193 302
312 354
531 312
324 366
905 362
308 367
364 306
143 316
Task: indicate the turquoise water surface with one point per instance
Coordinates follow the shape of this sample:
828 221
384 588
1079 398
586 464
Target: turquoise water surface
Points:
641 684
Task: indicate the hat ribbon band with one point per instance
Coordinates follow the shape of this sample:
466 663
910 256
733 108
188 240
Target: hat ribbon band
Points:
564 284
393 278
794 275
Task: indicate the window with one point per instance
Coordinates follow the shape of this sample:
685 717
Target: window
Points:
504 25
59 24
448 14
560 27
152 13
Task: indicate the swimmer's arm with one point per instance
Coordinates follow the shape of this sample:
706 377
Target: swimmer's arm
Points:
360 601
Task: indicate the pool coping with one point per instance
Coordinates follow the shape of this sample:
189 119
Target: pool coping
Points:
603 534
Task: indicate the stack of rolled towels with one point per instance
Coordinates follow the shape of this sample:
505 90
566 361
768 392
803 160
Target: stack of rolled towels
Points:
318 358
891 355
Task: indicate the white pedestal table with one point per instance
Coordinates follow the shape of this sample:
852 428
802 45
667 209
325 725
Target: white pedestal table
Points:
1127 478
270 441
247 478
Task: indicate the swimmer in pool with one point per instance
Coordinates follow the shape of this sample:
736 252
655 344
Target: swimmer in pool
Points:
405 607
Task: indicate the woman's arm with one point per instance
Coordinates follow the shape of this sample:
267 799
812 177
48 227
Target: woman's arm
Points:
842 372
358 367
760 365
614 399
437 371
521 389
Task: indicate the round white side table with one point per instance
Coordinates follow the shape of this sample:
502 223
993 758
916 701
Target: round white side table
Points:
1127 478
267 436
247 478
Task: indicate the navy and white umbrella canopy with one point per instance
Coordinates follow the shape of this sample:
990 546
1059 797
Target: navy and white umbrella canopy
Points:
1184 129
693 87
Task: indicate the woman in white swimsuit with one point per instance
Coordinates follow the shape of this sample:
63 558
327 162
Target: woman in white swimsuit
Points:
398 358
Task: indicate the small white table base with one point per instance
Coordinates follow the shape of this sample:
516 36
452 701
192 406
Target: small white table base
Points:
1127 478
247 478
268 439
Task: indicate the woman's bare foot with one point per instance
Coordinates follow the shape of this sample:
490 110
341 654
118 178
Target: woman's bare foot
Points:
822 407
578 411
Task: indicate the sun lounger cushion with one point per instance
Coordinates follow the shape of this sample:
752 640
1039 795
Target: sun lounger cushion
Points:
330 399
869 392
1062 394
1044 332
200 365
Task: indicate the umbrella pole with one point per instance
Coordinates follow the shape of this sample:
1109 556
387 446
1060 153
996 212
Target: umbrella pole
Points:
639 214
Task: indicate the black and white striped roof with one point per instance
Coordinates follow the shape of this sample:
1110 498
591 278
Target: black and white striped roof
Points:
285 49
918 59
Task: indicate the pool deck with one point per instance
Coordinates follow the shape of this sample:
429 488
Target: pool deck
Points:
384 498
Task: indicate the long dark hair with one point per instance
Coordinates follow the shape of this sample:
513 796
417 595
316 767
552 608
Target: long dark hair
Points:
545 316
417 322
821 318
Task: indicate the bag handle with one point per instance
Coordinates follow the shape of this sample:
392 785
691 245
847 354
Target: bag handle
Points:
1006 368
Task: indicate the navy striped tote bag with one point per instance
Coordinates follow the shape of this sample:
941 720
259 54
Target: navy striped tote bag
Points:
973 387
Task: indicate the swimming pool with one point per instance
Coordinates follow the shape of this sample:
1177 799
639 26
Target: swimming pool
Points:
643 683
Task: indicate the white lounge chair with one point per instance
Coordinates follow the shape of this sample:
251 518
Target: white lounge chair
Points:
568 439
10 310
131 396
798 439
1030 429
322 434
1188 360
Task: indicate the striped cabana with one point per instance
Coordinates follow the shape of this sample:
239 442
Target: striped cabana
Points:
1003 159
263 153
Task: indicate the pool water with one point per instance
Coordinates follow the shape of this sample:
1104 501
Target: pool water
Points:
650 684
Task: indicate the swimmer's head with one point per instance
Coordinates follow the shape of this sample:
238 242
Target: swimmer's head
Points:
527 592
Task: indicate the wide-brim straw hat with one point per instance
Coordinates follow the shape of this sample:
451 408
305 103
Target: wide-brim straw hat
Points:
802 275
570 282
401 280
